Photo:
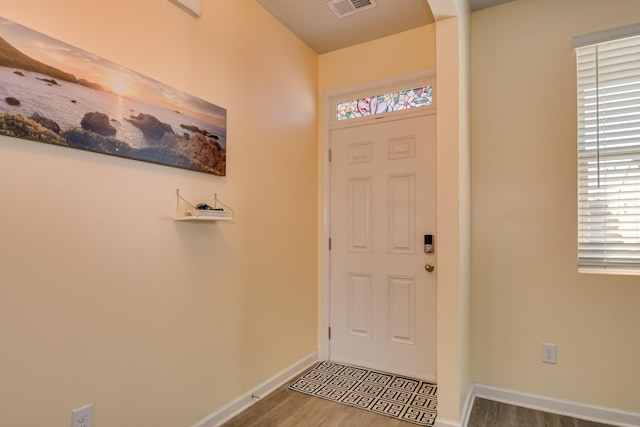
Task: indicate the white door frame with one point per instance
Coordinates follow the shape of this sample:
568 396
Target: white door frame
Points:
329 123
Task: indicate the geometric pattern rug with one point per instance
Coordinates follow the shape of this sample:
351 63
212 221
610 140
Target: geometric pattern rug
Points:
392 395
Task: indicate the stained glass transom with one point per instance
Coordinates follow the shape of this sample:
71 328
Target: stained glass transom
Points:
393 101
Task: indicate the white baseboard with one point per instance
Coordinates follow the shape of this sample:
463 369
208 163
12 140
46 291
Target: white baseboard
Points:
599 414
466 412
468 406
440 422
249 398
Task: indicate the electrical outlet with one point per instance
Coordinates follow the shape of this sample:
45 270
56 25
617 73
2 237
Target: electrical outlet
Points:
82 417
549 353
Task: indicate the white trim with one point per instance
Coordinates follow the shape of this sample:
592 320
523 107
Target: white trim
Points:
606 35
440 422
466 413
397 82
603 269
468 406
599 414
241 403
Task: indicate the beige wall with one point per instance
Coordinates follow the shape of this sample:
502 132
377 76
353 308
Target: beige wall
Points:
526 289
403 53
103 297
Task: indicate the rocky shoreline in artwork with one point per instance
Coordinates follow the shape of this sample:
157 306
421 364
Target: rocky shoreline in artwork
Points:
198 150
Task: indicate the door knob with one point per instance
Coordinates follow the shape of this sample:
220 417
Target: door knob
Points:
429 267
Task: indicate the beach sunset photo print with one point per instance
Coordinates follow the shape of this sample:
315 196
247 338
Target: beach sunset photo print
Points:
55 93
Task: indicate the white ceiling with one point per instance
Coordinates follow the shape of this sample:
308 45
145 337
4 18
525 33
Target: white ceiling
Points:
315 24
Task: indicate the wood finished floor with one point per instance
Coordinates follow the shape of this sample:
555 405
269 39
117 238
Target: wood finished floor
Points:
286 408
486 413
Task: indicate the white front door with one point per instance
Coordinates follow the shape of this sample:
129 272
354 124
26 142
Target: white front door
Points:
383 301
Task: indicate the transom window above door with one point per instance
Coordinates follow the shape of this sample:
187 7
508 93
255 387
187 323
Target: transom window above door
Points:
388 102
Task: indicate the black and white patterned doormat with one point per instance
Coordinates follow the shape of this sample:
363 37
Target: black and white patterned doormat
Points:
395 396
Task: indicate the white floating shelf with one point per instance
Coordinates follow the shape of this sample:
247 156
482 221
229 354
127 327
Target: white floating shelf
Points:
196 217
221 211
203 218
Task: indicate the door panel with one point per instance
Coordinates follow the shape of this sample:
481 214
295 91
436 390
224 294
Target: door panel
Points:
359 215
383 302
359 309
402 310
402 214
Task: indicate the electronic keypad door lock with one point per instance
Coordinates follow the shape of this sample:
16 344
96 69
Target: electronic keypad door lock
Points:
428 244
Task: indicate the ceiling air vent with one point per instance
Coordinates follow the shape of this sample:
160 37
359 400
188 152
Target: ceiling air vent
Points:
344 8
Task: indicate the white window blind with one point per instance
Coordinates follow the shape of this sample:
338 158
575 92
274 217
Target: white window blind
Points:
608 76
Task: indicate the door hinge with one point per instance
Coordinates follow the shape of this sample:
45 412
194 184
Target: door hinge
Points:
329 243
329 154
329 332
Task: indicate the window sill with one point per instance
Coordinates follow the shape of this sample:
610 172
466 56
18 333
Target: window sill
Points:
620 271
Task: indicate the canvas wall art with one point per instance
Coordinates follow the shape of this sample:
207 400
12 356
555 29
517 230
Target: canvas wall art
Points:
55 93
